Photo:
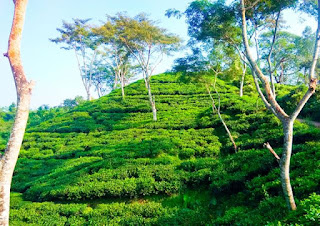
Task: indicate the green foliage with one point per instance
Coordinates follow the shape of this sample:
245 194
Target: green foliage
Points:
309 211
105 162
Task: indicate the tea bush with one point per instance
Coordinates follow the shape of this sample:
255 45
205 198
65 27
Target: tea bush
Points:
105 162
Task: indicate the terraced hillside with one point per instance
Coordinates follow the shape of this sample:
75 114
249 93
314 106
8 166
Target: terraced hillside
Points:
106 162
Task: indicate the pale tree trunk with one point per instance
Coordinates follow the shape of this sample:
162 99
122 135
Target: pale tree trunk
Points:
89 97
122 86
228 132
151 100
24 88
270 53
115 82
89 81
272 104
285 164
85 82
144 62
98 90
146 83
244 70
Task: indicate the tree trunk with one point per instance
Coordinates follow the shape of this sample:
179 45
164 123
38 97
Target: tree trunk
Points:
228 132
24 89
146 83
89 97
10 157
285 164
272 104
98 90
115 82
122 87
152 101
242 79
217 109
273 87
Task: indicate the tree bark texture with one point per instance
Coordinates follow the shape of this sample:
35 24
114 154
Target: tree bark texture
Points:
272 104
24 89
151 100
122 86
285 164
244 70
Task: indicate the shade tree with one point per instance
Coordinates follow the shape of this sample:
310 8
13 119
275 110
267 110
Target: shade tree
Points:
305 46
215 23
268 96
77 36
117 57
251 16
283 62
148 44
102 78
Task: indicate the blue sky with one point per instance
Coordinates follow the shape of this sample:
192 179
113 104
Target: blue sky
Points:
55 70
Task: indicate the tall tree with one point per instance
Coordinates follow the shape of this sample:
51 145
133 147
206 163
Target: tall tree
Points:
148 44
77 36
305 46
102 78
117 55
269 99
214 23
283 60
24 88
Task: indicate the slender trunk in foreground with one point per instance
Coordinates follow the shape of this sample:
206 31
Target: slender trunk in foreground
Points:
285 164
272 104
24 89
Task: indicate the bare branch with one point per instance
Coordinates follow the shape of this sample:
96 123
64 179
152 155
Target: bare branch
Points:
253 4
265 101
271 50
217 109
316 49
304 100
313 80
268 146
280 113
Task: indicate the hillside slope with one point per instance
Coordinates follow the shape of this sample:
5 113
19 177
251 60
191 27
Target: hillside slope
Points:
106 162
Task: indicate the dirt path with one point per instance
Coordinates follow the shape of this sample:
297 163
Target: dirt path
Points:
316 124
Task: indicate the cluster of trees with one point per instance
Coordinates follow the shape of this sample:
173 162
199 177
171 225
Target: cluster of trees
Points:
223 37
110 55
216 44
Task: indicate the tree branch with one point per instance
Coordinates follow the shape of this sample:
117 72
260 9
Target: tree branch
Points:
217 109
253 4
313 80
268 146
304 100
316 49
271 50
280 113
264 100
